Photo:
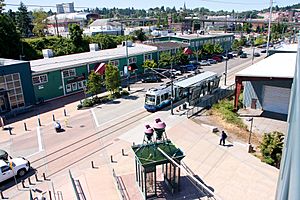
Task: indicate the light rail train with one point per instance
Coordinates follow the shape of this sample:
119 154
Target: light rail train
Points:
191 88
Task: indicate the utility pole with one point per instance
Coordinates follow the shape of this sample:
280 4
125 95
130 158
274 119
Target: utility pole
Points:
269 27
56 25
225 73
172 88
128 75
253 54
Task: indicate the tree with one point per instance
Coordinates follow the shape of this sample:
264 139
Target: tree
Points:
40 22
165 59
23 20
271 148
208 48
181 58
259 40
94 83
235 45
9 38
218 48
140 35
112 78
1 6
76 34
149 64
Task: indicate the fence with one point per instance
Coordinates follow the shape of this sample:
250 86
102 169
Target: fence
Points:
120 188
77 188
207 101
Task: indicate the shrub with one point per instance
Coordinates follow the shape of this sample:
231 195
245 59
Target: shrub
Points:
271 148
79 106
96 100
125 93
87 103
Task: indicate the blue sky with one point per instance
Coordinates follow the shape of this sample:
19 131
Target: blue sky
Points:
237 5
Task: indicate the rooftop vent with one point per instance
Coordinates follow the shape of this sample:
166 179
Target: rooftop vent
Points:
94 47
47 53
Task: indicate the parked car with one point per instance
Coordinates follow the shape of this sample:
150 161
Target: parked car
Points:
212 61
263 51
217 58
194 62
235 54
175 72
230 55
191 67
243 55
204 63
256 54
3 155
13 167
151 79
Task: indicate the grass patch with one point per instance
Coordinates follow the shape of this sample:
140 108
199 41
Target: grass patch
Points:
225 110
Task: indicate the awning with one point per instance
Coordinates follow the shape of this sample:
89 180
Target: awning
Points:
132 67
187 51
100 69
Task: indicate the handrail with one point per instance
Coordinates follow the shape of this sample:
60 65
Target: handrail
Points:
191 177
122 193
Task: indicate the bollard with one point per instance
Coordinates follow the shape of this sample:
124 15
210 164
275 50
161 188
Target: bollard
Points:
133 144
50 195
2 196
39 122
29 181
111 159
123 154
92 162
36 177
9 130
44 176
25 126
23 184
65 112
53 117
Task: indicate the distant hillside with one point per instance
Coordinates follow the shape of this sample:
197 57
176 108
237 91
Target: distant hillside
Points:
286 8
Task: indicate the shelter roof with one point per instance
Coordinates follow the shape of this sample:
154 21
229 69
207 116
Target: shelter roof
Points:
195 79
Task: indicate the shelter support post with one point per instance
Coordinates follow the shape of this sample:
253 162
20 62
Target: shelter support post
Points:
238 88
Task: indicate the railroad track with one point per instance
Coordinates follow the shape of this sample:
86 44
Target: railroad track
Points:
61 154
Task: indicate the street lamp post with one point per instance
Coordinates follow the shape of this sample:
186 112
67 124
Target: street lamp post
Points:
251 125
128 75
225 73
253 55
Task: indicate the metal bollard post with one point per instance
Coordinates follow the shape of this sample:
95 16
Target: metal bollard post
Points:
123 154
25 126
50 195
44 176
29 181
9 130
39 122
23 184
111 159
92 162
36 177
1 194
65 112
53 117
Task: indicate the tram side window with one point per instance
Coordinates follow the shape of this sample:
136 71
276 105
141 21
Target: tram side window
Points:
157 100
166 96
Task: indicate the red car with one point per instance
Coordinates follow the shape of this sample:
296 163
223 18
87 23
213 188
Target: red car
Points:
217 58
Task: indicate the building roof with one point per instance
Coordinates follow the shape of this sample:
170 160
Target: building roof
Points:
195 79
286 48
69 17
197 36
163 46
104 22
67 61
279 65
6 62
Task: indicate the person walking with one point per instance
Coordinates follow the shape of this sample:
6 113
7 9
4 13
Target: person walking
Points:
223 138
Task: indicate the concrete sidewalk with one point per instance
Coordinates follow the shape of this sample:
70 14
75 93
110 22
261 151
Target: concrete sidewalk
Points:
46 118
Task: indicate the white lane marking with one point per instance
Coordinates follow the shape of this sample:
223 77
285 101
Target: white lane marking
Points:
33 154
95 118
39 137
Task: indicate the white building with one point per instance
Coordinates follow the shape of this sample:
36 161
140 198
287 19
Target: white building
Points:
65 8
104 26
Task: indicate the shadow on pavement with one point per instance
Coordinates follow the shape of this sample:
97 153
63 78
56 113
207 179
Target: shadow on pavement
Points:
272 115
46 107
11 182
131 97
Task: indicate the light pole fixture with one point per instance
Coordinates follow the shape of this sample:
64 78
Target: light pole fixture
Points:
251 125
225 73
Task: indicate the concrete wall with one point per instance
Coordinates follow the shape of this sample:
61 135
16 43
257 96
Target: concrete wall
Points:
254 90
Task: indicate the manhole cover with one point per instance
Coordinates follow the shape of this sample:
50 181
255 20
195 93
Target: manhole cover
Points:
117 139
81 126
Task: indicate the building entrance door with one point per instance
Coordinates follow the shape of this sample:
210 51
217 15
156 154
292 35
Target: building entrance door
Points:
2 104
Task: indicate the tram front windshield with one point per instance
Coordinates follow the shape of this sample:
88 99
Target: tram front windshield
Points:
150 99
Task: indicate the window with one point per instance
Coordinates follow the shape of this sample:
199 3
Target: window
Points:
5 168
40 79
80 85
84 83
115 63
132 60
69 73
121 73
74 86
185 41
68 88
147 57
